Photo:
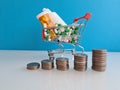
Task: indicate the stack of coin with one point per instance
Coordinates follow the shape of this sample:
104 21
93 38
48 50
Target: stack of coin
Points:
99 59
62 63
33 66
47 64
80 62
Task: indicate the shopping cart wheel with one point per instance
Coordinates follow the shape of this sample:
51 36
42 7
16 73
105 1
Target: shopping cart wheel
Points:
73 51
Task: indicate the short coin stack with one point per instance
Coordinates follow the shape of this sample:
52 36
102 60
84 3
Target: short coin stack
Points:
33 66
47 64
99 59
80 62
62 63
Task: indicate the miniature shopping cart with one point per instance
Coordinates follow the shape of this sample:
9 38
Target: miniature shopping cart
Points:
71 34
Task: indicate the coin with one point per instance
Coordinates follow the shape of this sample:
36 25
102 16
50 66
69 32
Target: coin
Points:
99 63
80 61
97 51
62 60
47 64
99 57
101 69
62 63
80 68
80 57
33 66
62 67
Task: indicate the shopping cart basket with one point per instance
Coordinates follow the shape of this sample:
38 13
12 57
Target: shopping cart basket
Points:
71 34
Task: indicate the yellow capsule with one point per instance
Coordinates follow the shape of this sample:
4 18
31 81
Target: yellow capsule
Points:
52 35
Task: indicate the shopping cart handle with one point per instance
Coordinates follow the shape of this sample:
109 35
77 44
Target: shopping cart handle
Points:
87 17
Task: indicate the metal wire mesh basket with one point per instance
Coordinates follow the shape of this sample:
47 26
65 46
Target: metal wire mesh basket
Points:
67 34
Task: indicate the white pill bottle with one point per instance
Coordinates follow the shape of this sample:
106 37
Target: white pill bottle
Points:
56 19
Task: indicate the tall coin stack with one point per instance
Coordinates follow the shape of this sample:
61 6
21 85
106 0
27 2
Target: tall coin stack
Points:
62 63
80 62
47 64
99 59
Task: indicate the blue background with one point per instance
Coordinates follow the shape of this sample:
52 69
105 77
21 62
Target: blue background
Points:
20 30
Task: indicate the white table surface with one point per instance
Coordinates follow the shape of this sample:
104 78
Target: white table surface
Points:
15 76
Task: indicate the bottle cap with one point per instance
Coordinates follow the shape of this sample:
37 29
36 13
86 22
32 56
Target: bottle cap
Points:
44 11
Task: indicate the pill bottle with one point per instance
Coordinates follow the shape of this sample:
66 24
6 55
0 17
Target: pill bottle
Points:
45 18
49 18
56 18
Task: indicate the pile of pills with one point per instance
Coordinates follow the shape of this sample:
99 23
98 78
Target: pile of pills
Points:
68 34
